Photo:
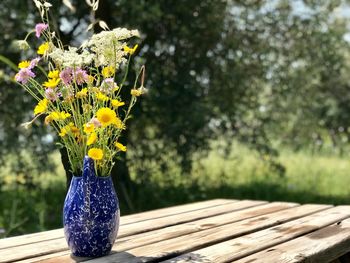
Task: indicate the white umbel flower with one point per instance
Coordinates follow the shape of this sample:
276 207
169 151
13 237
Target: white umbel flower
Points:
110 54
71 57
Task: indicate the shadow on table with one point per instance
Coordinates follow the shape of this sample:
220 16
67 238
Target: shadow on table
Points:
189 257
119 257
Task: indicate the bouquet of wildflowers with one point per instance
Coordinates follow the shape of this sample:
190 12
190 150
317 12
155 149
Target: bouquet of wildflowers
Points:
80 96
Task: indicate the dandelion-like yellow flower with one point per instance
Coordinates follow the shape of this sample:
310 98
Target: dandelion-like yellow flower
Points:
43 48
41 106
92 139
56 116
89 127
54 74
102 97
69 128
108 71
51 83
136 92
82 93
63 131
24 64
106 116
120 146
95 153
117 103
129 50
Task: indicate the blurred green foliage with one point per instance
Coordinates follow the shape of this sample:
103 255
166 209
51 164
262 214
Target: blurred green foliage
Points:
268 74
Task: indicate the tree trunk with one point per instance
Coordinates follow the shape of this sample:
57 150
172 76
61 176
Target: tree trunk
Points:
66 165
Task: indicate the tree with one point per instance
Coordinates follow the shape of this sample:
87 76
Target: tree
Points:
247 70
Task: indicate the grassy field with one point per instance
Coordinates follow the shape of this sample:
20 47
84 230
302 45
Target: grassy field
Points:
320 178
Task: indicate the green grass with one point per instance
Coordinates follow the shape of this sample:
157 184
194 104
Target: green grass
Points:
320 178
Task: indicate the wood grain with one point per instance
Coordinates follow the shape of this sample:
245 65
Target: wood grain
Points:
249 244
125 220
175 246
59 244
178 230
324 245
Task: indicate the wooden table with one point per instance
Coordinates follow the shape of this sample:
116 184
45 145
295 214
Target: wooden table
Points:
219 230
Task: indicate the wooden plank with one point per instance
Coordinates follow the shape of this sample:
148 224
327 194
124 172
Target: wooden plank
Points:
57 245
175 246
158 223
243 246
178 230
163 212
323 245
179 209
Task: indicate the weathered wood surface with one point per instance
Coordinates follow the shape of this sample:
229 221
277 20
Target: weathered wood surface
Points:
219 230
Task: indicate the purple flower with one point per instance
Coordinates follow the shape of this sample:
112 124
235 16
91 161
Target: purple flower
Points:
80 76
108 85
24 75
34 62
39 28
50 94
66 76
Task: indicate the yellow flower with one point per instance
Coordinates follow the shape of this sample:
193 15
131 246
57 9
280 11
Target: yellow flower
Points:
43 48
95 153
89 128
129 50
56 116
41 106
51 83
54 74
90 79
120 146
92 139
102 97
82 93
119 124
136 92
63 131
69 128
108 71
24 64
106 116
117 103
74 130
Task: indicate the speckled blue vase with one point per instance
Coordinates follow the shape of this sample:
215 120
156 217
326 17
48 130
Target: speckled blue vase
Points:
91 213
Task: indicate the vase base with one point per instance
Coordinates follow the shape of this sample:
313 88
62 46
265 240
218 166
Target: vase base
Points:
83 257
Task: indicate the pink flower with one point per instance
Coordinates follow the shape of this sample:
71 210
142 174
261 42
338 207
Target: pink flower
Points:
34 62
50 94
24 75
80 76
39 28
95 122
108 85
66 76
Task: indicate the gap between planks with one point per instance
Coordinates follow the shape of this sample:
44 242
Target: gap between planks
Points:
57 245
179 245
125 220
241 247
178 230
324 245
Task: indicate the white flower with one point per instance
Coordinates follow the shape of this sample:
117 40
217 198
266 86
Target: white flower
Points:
108 46
71 57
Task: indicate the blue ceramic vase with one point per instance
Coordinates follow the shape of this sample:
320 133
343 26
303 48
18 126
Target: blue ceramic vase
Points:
91 213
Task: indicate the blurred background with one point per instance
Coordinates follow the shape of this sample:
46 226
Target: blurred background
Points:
247 99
